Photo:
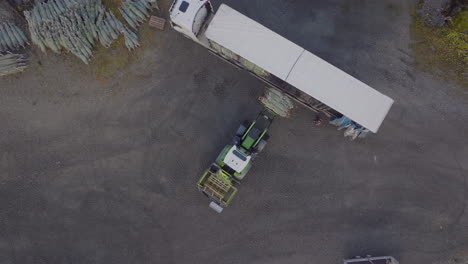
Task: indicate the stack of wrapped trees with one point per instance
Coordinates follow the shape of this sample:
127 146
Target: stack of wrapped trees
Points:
12 42
135 12
72 25
76 25
12 37
12 63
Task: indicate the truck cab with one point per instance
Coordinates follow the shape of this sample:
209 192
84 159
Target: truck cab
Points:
190 17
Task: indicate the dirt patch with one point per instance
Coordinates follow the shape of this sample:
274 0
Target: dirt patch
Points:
108 61
8 13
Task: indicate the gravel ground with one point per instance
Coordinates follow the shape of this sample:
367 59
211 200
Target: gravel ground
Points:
7 13
104 171
431 11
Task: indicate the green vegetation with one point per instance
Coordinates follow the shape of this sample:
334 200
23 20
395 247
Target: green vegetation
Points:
460 22
110 60
113 5
457 35
442 50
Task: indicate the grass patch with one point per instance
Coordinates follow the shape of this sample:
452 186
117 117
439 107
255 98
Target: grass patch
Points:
113 5
109 61
460 22
444 50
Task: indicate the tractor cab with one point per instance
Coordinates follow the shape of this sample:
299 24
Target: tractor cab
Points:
236 159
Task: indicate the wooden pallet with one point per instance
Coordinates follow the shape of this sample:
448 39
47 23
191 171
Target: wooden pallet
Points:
157 22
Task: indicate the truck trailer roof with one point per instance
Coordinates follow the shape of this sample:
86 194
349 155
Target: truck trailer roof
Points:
299 67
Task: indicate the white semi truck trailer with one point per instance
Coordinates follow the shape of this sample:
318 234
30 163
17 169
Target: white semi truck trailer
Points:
280 63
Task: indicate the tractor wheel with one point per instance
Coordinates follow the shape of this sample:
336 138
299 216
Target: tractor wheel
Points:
236 140
221 154
261 145
241 130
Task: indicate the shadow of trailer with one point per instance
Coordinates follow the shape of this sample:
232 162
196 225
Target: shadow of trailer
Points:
372 260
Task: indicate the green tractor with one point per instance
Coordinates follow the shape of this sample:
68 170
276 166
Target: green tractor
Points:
235 160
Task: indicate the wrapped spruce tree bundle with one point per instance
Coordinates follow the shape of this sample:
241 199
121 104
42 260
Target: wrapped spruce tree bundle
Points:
12 63
72 25
13 41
